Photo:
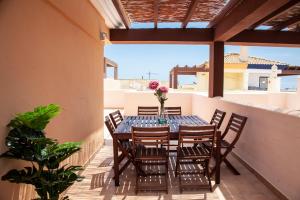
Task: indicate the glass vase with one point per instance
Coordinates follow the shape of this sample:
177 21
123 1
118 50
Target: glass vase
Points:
161 118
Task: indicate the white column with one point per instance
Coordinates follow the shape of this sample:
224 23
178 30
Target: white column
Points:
274 81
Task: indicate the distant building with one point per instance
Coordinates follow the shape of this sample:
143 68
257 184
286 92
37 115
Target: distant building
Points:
243 72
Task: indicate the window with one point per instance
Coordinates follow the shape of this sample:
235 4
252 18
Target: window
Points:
263 82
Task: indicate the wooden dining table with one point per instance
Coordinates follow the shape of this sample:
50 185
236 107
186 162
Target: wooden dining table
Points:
123 131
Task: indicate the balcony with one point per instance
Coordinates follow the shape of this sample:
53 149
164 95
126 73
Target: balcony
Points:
53 52
256 155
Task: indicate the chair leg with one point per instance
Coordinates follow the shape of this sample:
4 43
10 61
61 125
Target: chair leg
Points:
176 167
231 167
179 171
125 166
208 175
167 175
136 180
121 157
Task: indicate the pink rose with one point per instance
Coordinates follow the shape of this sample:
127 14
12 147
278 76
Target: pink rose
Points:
163 89
153 85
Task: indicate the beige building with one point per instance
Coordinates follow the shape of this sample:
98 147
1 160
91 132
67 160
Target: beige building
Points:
243 72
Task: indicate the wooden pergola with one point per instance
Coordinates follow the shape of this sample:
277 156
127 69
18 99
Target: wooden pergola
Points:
290 71
186 70
110 63
237 22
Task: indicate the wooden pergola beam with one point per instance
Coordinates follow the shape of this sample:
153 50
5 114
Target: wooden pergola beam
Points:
189 13
161 36
230 5
275 14
266 38
118 5
203 36
290 72
244 15
191 70
287 23
110 63
175 71
156 8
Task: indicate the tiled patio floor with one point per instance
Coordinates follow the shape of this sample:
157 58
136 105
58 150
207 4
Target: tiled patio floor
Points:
99 184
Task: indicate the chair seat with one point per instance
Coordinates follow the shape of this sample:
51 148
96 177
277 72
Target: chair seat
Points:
151 154
195 152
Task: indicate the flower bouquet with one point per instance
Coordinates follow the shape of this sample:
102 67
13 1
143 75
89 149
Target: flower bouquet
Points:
160 93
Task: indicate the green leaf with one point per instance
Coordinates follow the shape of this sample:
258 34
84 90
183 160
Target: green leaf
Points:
25 145
26 141
37 119
54 154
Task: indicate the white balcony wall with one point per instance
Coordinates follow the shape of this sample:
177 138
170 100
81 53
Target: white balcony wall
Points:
268 143
134 99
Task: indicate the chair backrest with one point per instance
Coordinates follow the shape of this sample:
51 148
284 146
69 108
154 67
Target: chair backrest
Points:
109 125
234 127
151 136
173 110
146 110
218 118
116 118
190 135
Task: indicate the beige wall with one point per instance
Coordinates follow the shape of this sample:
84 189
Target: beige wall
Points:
50 53
233 81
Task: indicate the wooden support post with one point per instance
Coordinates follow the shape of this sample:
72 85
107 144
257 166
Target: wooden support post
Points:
104 73
216 69
175 79
116 73
170 80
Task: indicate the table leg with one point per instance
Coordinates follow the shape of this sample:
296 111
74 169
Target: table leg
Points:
116 161
218 158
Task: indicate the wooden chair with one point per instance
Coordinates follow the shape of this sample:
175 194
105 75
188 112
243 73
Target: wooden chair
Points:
150 147
146 110
123 145
116 118
218 118
188 153
229 138
173 110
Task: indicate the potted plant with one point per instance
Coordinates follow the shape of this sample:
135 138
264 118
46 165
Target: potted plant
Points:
161 94
26 141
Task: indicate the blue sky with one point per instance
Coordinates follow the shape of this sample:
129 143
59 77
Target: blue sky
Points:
136 61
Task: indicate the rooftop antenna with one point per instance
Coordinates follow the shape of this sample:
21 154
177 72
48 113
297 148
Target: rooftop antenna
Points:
150 74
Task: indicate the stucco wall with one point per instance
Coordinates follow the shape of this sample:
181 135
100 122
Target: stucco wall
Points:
293 100
50 53
233 81
268 143
134 99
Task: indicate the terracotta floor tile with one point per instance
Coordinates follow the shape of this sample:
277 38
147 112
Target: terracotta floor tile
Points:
98 184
